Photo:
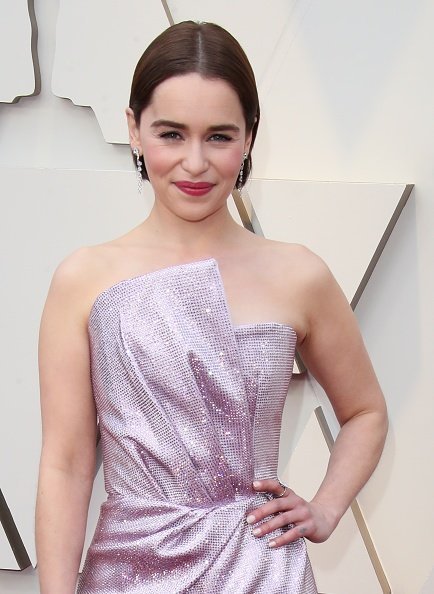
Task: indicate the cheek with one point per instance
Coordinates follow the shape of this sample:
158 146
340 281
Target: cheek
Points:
230 163
157 160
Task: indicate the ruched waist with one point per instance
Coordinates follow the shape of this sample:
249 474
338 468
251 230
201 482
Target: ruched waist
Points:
166 547
125 520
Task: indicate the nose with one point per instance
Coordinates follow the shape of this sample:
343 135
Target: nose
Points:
195 160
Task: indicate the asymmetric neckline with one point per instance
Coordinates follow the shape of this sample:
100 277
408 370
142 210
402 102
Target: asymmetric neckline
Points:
195 263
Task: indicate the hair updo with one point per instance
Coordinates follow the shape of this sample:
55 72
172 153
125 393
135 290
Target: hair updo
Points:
203 48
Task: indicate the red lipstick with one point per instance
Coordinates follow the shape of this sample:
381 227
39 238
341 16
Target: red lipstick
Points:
194 188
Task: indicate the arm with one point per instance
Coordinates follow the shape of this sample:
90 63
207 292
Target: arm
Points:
69 433
333 351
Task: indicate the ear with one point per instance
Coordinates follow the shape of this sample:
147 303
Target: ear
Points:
133 129
248 141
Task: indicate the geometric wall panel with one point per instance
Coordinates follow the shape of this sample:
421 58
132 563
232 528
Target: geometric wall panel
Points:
276 18
17 36
347 224
96 53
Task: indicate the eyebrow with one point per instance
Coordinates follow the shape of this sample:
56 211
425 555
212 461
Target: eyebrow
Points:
171 124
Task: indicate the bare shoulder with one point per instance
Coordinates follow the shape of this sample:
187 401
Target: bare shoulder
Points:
317 290
298 264
297 282
78 268
78 277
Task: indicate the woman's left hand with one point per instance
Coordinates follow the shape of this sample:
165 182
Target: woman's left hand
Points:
308 519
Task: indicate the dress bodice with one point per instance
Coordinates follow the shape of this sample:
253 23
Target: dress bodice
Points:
189 408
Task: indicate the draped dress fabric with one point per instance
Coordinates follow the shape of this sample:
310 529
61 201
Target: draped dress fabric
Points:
189 409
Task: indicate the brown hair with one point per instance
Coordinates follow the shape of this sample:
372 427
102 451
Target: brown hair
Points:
203 48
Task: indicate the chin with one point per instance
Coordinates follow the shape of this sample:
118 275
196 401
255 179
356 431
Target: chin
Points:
195 213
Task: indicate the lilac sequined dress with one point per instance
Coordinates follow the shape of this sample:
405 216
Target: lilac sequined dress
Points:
189 409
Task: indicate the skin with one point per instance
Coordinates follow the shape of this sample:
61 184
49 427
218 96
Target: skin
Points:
290 284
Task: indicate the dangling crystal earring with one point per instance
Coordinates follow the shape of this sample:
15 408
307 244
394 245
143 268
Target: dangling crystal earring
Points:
139 170
241 174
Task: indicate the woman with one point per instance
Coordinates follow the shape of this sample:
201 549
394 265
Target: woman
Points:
182 332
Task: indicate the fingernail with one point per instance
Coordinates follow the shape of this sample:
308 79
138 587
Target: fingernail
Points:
250 519
256 531
271 543
256 484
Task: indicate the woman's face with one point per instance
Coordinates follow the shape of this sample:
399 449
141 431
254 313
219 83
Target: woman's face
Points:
192 137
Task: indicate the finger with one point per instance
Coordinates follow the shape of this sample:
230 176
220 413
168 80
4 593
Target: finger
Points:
274 506
270 486
291 535
281 520
299 515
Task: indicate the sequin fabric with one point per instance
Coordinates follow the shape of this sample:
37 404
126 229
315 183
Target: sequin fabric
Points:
190 410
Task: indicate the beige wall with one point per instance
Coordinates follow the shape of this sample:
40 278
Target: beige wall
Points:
347 92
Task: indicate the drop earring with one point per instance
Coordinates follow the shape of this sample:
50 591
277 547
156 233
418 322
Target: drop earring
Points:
241 174
139 170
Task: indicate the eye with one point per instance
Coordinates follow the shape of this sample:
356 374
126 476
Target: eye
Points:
220 138
172 135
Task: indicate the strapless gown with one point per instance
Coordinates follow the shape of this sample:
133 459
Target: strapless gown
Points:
189 408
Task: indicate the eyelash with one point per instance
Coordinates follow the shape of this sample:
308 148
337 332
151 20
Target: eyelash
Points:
172 135
221 137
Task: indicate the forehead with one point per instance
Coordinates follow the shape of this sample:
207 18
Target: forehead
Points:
193 97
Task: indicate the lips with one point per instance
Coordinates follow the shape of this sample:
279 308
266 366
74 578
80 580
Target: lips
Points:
194 188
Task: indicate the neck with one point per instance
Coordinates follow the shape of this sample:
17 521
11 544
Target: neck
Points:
195 239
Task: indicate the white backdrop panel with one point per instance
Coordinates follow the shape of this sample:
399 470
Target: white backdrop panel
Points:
247 22
97 47
342 222
17 77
